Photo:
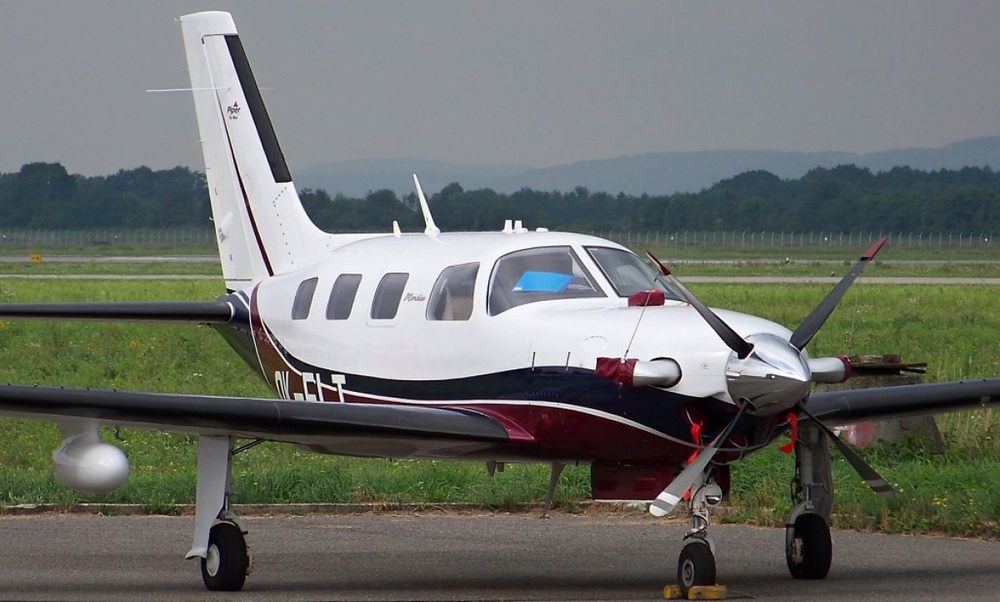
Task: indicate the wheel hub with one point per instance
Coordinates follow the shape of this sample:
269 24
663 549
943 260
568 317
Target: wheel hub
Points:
212 560
795 551
687 573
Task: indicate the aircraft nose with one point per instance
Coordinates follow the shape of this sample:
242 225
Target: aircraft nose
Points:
772 379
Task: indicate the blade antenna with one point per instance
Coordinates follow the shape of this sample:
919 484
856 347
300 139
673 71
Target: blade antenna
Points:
729 336
811 325
430 228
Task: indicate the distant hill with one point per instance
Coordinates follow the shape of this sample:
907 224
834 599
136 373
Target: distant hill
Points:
652 173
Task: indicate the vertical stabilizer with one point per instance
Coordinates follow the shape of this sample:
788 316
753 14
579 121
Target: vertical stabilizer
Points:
260 225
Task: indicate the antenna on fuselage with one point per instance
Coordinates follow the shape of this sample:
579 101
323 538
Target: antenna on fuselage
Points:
430 229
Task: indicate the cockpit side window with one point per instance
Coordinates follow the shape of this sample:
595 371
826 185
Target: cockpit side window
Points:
451 297
303 299
541 274
387 295
628 274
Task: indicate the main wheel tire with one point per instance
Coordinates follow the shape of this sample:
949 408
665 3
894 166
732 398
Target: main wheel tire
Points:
811 552
225 566
695 566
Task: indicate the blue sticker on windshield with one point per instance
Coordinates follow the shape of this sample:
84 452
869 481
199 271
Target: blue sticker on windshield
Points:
542 282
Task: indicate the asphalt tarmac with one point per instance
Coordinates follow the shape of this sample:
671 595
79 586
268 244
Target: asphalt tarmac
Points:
468 557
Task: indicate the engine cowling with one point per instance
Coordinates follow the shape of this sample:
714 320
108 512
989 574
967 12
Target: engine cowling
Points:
85 463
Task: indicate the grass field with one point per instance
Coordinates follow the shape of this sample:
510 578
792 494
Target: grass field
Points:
104 268
955 329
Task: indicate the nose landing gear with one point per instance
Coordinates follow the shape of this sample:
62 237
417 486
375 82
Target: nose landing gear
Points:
696 563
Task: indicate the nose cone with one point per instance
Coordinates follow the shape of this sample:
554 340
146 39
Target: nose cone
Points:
772 379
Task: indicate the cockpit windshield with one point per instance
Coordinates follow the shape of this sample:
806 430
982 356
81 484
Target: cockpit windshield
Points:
629 274
540 274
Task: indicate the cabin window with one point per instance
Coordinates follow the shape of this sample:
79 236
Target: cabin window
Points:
345 289
541 274
628 274
387 296
303 299
451 297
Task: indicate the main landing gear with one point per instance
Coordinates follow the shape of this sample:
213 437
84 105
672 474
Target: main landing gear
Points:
219 538
808 547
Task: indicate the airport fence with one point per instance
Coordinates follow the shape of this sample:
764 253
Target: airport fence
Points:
769 239
138 237
182 237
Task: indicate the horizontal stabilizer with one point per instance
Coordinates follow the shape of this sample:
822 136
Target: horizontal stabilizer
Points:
196 312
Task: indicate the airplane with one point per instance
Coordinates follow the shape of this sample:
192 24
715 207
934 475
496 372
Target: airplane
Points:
510 346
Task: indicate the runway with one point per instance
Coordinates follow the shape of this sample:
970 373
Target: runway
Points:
461 557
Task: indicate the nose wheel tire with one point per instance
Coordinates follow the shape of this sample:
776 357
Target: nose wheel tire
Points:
810 551
696 566
227 562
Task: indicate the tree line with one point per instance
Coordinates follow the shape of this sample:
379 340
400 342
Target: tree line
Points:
845 198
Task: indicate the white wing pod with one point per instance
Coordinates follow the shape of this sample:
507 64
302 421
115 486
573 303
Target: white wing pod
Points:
85 463
830 370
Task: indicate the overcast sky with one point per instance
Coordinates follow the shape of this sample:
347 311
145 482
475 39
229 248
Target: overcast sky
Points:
531 83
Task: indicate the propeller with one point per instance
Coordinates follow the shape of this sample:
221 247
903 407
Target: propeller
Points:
671 496
770 375
729 336
872 478
811 325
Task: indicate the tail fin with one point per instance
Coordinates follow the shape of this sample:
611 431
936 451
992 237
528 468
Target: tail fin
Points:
260 224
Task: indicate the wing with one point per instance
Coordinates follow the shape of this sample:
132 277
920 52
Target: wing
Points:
332 427
351 429
856 405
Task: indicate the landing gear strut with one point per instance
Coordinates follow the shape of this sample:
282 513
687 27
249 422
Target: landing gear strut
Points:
808 546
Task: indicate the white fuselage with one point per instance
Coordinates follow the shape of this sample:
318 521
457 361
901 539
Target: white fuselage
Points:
414 345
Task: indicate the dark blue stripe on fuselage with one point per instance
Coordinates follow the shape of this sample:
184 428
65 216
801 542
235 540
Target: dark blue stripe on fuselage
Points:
663 411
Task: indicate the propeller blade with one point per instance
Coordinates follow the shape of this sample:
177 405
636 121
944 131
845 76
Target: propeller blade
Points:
671 496
729 336
808 329
872 478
